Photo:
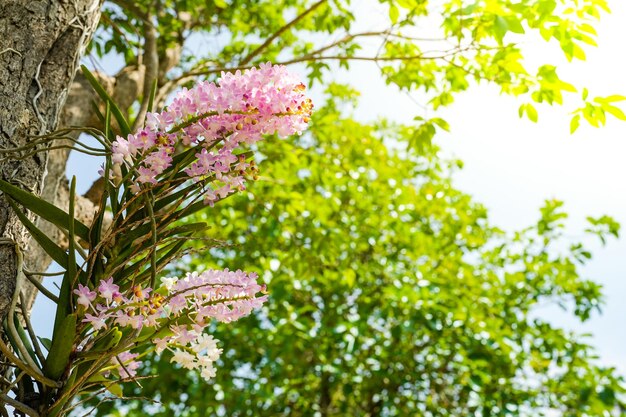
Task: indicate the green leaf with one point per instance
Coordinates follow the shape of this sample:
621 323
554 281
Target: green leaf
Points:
532 112
350 277
546 33
394 13
613 98
115 389
45 342
574 123
514 25
64 306
44 209
500 27
153 91
578 52
615 111
175 196
25 338
185 228
441 123
71 258
164 259
119 117
603 226
585 27
110 340
61 349
164 254
469 9
129 238
607 396
51 248
98 221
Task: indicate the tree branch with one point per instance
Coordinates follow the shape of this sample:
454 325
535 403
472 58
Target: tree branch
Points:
17 362
385 33
363 58
19 406
315 56
282 30
134 9
151 63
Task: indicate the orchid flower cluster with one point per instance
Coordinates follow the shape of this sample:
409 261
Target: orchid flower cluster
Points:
178 312
213 120
110 311
240 108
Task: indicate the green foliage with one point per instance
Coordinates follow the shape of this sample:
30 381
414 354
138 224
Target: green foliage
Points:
61 348
437 49
140 238
603 226
390 294
41 207
595 111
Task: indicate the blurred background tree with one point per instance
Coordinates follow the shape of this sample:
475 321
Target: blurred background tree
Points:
391 294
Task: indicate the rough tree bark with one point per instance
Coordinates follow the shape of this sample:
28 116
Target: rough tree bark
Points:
41 42
124 88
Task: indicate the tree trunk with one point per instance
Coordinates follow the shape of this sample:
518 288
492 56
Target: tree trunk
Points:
41 43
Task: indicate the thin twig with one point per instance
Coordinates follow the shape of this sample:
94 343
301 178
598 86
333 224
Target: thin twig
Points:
10 319
30 330
36 151
153 249
313 55
107 20
10 384
95 367
19 406
17 362
42 274
306 58
367 58
350 37
151 63
102 390
10 50
282 30
40 287
131 7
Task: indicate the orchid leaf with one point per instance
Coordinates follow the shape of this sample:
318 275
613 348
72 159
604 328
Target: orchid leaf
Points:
44 209
117 113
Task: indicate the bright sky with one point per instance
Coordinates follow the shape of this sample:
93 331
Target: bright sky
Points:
513 165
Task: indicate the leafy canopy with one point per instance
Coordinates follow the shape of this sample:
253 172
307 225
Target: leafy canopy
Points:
390 294
436 48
